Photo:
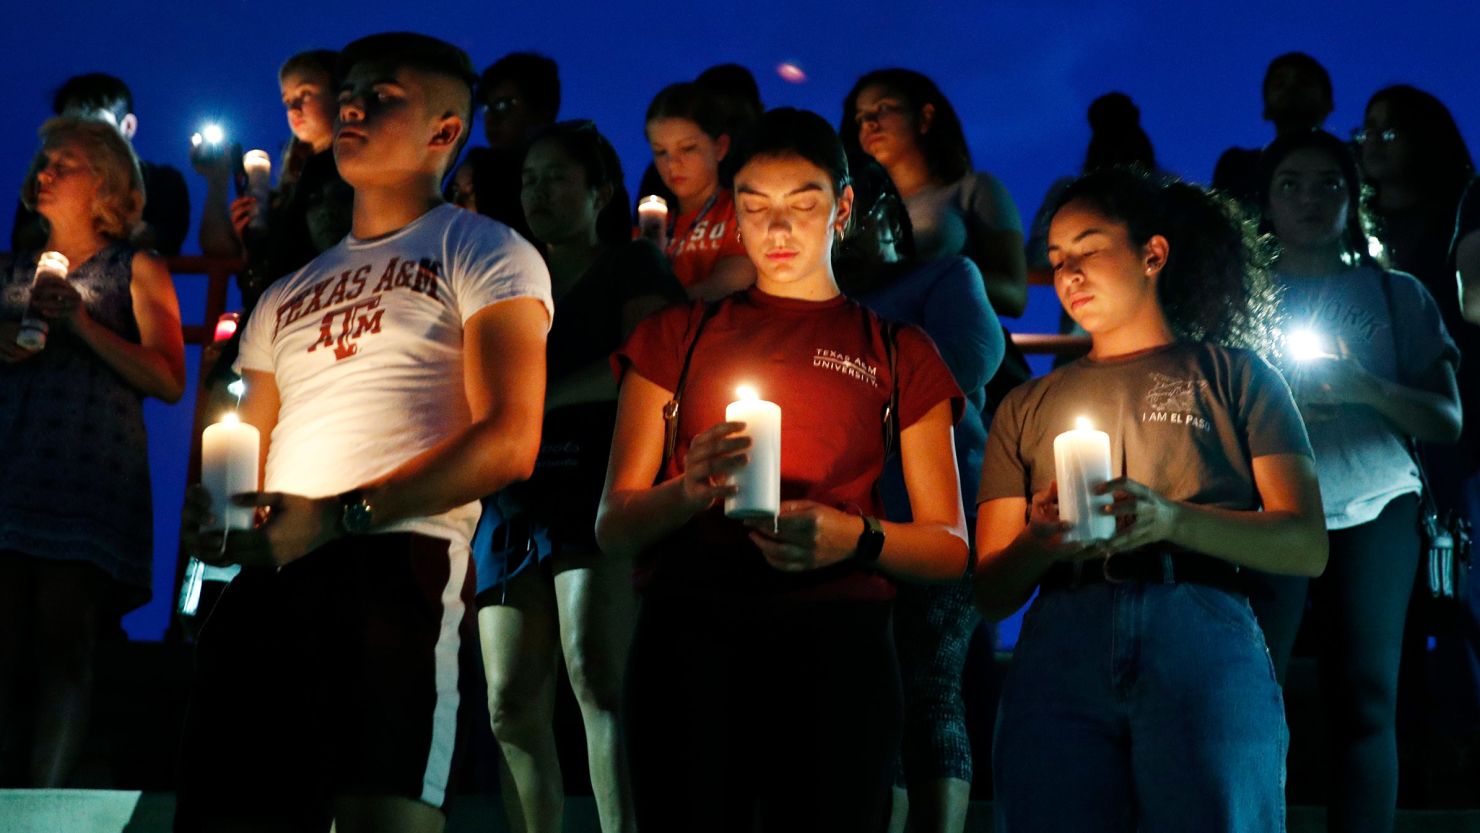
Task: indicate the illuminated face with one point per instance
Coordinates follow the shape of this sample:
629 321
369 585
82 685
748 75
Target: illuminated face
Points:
1308 200
1103 280
387 125
686 157
558 204
788 217
887 127
310 106
66 185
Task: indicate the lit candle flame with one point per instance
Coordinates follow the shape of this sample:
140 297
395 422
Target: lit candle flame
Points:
230 418
652 202
1083 424
256 159
747 393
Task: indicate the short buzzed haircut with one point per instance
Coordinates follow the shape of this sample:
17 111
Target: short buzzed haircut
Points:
424 53
537 77
93 92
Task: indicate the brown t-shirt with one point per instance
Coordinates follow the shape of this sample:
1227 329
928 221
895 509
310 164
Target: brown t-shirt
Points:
1187 420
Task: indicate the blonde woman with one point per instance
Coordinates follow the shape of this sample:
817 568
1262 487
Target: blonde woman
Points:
75 517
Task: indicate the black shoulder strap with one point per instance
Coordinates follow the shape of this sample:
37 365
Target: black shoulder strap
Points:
891 411
670 410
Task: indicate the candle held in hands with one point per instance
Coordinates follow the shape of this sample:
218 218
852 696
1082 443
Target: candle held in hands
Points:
258 166
34 328
1082 464
228 466
759 480
652 219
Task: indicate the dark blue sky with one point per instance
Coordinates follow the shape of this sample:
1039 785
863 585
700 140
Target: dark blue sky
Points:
1021 75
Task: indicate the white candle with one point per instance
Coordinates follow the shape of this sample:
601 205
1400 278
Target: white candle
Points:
759 479
259 183
652 218
1082 464
34 328
228 466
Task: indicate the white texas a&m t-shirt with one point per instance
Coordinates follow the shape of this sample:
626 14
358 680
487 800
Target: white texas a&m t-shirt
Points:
366 346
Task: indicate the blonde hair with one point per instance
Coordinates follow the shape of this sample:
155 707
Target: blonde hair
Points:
119 205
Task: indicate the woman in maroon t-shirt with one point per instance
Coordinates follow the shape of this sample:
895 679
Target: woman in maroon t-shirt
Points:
762 682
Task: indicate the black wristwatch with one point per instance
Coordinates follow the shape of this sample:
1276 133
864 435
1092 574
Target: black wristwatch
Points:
356 515
870 541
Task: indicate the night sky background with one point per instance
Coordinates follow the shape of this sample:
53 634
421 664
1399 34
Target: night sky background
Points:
1021 75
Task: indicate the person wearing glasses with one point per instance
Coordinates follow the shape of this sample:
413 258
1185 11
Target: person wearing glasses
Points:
517 94
545 590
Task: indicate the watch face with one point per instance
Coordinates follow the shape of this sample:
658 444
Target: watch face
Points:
357 517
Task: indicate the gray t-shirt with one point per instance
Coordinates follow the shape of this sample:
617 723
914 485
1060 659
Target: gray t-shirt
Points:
947 218
1187 420
1361 459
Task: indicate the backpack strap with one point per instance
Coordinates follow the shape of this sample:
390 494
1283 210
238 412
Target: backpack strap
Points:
670 408
891 410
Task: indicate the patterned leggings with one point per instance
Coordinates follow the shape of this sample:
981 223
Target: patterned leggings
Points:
932 629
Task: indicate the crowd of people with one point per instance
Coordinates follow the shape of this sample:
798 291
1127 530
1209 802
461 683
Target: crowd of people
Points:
493 406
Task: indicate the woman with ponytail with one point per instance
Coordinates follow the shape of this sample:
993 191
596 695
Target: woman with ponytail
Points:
1141 695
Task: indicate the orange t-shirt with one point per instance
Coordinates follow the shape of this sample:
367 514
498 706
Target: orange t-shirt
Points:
701 238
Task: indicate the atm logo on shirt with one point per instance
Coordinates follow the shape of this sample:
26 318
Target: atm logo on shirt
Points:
853 368
342 328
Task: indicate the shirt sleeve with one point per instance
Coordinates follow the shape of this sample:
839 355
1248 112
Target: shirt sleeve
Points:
255 350
924 379
990 206
491 263
1267 414
657 347
1004 472
1420 338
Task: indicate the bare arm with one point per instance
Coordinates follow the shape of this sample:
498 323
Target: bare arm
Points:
218 237
154 366
1428 411
933 546
730 275
504 378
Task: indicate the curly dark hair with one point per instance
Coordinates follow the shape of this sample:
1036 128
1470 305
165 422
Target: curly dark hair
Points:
944 144
1215 286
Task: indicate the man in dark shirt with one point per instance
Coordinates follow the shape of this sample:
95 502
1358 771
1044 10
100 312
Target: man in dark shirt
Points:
519 93
167 202
1297 96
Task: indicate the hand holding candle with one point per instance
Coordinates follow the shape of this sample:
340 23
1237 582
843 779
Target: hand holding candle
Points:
758 482
1081 465
229 456
34 327
258 166
652 219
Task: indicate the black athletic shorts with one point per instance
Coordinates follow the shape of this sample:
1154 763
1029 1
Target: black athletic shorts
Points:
336 675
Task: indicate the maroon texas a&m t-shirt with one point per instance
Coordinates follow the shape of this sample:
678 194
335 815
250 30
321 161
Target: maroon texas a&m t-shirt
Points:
825 364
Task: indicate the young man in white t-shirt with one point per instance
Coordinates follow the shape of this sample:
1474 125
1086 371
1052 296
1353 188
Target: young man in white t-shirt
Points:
395 379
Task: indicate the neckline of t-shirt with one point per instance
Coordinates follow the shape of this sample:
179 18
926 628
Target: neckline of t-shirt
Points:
355 243
765 299
1140 355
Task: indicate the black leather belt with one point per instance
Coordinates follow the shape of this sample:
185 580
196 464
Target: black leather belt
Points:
1148 566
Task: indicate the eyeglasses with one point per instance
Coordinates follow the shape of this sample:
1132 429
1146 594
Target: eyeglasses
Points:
503 105
1386 137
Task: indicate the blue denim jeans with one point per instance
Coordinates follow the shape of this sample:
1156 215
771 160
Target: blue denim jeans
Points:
1140 706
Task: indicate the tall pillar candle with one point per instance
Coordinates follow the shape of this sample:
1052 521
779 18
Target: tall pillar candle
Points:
1082 464
228 466
258 166
652 219
759 480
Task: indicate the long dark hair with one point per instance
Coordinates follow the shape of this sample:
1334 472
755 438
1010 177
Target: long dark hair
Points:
584 144
1358 226
944 144
1215 285
1441 163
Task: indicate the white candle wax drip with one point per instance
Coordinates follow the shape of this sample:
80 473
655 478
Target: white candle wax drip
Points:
228 466
759 480
1082 464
